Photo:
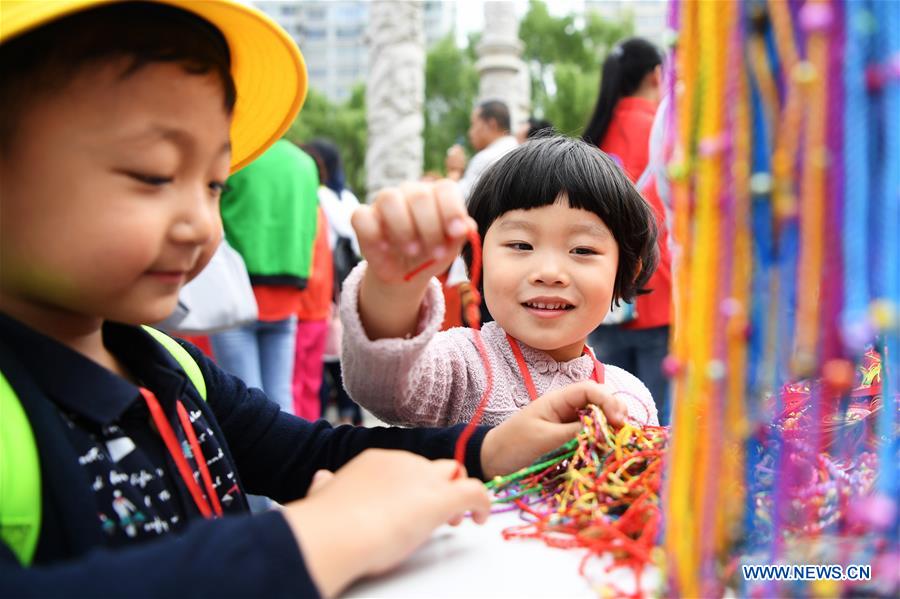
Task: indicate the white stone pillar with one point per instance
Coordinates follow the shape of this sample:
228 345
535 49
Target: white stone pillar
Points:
502 73
395 93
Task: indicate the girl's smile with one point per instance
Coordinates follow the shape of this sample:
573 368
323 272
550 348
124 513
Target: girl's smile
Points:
548 306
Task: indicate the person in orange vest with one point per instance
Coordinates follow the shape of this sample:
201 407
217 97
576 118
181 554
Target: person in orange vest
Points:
313 314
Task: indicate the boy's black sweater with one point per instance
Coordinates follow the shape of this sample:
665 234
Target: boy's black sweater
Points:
275 454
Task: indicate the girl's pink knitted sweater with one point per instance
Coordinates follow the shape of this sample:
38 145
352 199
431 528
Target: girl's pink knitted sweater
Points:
437 378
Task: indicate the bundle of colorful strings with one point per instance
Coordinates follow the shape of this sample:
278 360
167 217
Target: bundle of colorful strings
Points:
845 422
807 497
824 491
599 492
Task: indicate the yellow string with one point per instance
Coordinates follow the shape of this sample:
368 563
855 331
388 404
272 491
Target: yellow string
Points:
698 229
785 140
690 465
736 423
786 136
726 473
813 81
759 64
679 545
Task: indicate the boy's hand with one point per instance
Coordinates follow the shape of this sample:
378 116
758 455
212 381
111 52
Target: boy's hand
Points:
545 424
407 226
375 511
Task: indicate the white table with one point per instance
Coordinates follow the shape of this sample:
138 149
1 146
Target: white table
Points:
475 561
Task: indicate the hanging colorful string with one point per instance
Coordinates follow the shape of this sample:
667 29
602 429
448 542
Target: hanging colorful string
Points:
817 245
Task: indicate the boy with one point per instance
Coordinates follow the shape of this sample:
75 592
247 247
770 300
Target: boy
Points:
114 146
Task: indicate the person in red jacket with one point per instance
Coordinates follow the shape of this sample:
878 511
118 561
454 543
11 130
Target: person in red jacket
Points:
620 126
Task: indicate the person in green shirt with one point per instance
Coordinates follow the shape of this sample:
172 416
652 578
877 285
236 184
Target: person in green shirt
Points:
269 213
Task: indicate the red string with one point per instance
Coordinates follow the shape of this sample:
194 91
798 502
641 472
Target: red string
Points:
523 367
168 436
473 317
462 441
202 466
598 373
408 276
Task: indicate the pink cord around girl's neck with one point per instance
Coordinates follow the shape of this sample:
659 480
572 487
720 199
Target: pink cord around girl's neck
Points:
473 317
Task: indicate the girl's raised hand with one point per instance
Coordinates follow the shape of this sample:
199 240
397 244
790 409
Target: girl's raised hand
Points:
408 226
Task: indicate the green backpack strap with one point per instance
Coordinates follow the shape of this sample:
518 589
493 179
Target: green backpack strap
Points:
20 468
20 477
184 359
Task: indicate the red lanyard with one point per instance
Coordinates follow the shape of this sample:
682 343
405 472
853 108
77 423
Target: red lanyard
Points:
187 475
597 374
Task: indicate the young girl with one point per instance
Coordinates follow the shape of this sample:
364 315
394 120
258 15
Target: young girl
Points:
565 235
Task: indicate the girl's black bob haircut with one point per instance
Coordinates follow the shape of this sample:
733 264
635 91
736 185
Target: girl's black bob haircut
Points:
542 169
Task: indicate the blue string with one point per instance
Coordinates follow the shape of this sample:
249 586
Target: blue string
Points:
762 264
772 54
856 185
763 247
887 206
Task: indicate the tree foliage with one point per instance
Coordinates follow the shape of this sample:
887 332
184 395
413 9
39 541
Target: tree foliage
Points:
564 56
344 123
451 85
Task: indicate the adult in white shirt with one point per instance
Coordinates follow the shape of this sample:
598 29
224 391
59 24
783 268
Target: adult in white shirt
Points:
489 133
336 200
338 210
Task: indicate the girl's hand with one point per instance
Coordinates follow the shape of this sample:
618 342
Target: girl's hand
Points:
408 226
545 424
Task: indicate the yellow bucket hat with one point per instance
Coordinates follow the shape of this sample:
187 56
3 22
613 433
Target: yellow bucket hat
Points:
267 67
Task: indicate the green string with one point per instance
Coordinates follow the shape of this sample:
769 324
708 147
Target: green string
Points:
560 454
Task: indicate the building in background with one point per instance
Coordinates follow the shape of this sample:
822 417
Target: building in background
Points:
332 36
